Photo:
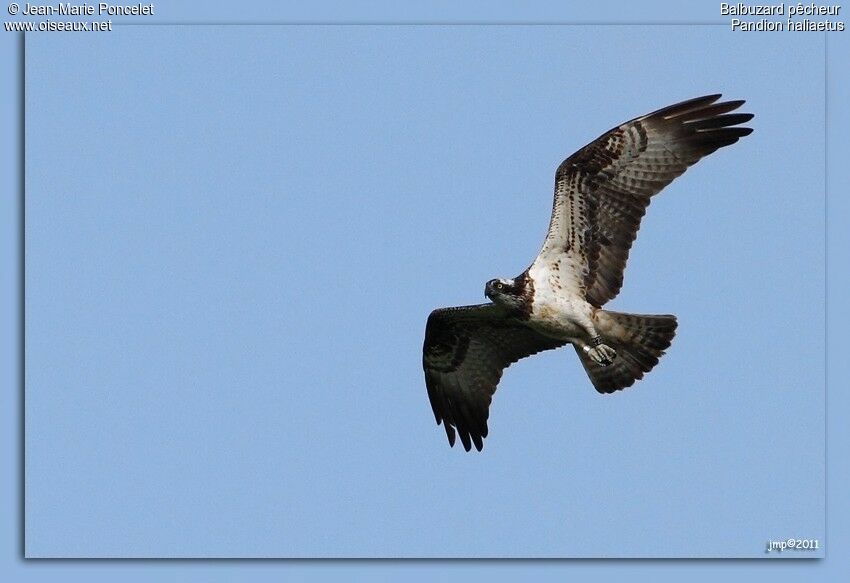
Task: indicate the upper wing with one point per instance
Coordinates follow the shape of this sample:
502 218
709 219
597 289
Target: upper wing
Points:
602 191
466 349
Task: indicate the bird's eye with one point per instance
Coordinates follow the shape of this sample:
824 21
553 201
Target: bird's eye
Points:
499 285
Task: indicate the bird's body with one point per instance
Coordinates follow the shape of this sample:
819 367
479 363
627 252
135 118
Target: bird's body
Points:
560 317
601 193
549 310
553 312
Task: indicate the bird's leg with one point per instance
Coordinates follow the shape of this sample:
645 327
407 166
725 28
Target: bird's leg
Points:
599 352
596 348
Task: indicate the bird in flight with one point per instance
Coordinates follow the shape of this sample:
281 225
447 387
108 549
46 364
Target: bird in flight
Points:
601 193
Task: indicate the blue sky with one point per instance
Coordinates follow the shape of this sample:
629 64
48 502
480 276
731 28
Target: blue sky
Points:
235 234
769 74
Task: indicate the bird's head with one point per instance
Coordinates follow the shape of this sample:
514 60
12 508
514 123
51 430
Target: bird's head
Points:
507 292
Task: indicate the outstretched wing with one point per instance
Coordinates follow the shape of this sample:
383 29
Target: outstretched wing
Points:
602 191
466 349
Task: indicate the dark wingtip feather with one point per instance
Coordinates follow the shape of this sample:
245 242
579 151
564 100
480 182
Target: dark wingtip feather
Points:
719 121
723 133
695 101
709 111
464 438
707 128
450 433
686 106
711 140
476 439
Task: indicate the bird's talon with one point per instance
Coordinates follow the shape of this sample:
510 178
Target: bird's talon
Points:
601 354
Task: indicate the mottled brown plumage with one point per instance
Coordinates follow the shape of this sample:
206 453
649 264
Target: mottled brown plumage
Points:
602 191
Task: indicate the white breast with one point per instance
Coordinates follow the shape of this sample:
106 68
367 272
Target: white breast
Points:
554 310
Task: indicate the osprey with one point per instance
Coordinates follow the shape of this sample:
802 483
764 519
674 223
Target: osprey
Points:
601 193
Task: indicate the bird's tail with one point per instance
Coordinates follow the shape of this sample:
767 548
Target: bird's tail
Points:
639 341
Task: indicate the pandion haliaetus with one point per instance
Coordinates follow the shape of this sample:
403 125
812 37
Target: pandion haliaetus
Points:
601 194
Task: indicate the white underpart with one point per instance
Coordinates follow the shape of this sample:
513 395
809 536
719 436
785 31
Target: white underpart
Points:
558 310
